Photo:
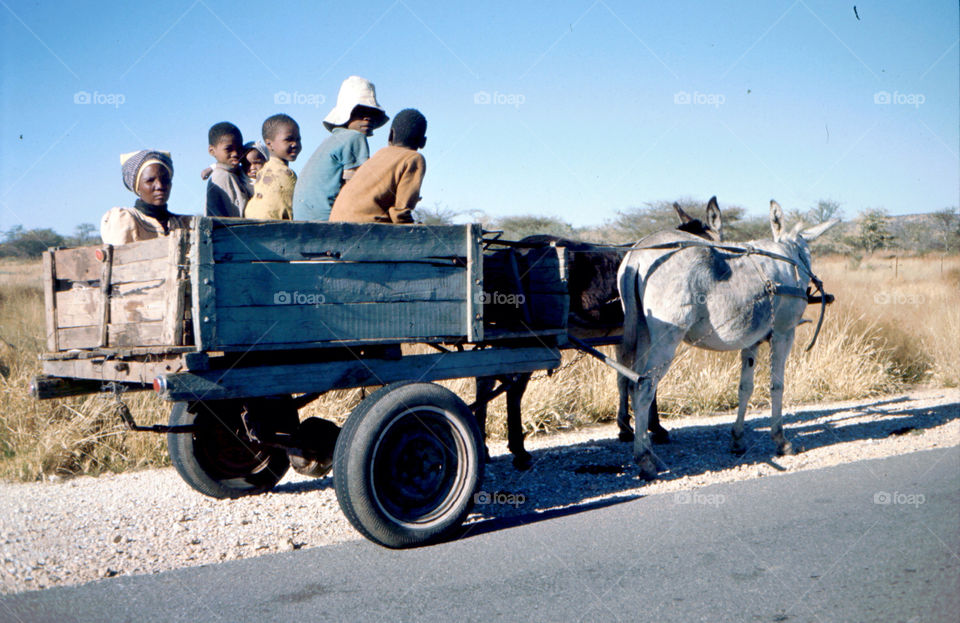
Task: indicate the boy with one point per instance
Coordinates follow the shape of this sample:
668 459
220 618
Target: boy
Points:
355 117
228 189
386 188
273 190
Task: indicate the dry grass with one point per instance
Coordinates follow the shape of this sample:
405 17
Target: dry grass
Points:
896 323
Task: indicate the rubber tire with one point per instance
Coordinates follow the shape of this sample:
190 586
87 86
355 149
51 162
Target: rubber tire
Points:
190 453
364 475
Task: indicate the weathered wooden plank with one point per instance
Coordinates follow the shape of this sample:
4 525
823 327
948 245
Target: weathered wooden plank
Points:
474 285
203 290
105 274
320 377
120 335
268 283
108 369
187 352
275 241
81 264
43 387
176 286
140 302
240 326
50 299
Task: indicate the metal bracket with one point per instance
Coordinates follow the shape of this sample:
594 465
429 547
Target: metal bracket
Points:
124 412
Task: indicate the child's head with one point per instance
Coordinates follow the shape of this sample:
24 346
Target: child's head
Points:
282 136
149 174
226 143
357 107
409 129
255 155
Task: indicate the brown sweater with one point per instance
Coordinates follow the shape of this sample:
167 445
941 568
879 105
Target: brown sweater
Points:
385 189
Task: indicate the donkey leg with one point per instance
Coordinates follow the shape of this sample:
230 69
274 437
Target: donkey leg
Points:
657 363
624 387
780 345
521 458
657 432
484 386
748 365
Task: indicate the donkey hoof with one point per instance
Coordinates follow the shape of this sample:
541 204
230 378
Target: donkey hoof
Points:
523 461
786 449
648 468
660 436
625 436
737 446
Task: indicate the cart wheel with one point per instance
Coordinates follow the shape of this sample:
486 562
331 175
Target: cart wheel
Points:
218 459
407 463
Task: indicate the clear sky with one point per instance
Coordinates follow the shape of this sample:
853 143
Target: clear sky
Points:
570 109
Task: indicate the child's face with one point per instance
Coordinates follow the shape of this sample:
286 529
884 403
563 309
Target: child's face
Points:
155 185
361 120
227 150
285 143
254 162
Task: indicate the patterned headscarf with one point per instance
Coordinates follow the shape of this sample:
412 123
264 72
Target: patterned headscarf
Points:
133 163
259 146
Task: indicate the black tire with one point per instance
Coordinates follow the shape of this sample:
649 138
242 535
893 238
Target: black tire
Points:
407 463
218 459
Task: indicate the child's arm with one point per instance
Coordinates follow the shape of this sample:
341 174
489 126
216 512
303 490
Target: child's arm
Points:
408 190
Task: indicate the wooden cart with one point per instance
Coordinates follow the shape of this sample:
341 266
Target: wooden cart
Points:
240 323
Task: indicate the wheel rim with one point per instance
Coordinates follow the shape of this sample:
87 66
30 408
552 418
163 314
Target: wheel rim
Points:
222 448
419 466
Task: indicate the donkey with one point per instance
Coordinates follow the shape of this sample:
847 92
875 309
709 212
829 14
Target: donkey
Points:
595 310
675 287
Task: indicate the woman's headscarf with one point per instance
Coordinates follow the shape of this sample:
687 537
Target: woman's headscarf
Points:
133 163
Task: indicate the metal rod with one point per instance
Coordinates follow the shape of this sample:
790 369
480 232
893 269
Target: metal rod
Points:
593 352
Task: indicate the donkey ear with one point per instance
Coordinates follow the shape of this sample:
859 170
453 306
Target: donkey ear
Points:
776 220
815 232
714 220
684 217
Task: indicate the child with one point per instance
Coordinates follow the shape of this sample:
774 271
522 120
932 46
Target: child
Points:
149 175
229 189
386 188
355 117
255 155
273 190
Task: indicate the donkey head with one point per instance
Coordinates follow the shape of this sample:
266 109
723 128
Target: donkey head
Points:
798 236
711 230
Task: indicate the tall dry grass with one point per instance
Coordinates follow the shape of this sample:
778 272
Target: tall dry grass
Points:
895 323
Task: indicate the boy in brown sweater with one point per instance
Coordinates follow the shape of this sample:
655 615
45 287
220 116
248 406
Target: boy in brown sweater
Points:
386 188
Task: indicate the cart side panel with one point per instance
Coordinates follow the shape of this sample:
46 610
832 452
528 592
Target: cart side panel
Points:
282 284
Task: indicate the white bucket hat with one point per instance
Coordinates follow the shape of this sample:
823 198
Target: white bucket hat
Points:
355 91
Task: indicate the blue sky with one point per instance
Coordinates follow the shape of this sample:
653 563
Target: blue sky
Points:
570 109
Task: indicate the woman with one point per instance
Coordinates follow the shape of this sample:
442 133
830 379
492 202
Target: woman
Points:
149 175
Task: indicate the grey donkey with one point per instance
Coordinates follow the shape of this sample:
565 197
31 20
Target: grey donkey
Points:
675 287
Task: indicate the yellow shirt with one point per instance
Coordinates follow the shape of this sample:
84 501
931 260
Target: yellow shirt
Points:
385 189
272 192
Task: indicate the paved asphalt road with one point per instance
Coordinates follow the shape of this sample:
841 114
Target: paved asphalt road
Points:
869 541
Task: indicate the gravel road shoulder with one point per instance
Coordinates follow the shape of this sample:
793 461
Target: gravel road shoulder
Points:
83 529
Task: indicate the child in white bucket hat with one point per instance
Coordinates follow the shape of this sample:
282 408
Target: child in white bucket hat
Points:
354 118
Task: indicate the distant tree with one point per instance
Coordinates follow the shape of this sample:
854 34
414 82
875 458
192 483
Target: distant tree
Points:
83 234
636 222
28 243
825 210
516 227
947 228
874 232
